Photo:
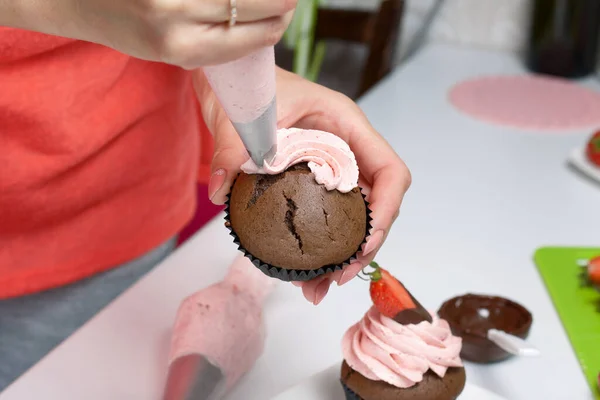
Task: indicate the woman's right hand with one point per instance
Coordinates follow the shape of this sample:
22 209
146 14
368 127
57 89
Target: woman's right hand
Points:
186 33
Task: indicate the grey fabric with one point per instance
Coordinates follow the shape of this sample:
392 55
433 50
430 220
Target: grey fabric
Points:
33 325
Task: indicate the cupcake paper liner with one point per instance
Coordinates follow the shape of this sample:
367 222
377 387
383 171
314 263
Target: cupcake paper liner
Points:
289 275
350 395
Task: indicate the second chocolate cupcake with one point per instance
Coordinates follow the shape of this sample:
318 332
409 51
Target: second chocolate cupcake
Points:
303 217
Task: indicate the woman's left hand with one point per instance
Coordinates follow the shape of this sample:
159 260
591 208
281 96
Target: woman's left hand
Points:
384 177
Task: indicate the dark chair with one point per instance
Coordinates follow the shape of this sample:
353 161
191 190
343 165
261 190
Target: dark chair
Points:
378 30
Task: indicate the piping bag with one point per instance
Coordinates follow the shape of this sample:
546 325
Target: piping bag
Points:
246 90
218 335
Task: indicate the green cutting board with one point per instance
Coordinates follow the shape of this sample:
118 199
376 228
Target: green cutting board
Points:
576 305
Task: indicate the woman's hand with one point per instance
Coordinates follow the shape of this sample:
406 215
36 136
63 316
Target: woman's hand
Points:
186 33
384 177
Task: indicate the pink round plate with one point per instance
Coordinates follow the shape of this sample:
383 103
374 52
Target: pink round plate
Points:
528 102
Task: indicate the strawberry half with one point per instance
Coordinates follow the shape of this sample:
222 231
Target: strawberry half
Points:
593 271
593 149
391 298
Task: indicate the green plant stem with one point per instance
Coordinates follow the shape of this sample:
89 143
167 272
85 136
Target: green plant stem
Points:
317 61
290 36
305 39
300 36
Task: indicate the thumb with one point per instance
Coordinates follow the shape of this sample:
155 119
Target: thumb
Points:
229 153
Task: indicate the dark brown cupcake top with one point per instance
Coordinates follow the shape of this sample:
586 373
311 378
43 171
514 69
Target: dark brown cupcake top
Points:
432 387
290 221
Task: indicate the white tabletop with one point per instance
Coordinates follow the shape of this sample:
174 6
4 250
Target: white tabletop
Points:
483 199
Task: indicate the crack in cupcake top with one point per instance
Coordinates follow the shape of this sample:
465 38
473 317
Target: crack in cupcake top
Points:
289 221
264 182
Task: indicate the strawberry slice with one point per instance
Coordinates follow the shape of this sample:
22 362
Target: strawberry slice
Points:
391 298
593 149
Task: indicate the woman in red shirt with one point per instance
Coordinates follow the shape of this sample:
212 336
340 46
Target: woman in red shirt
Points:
104 119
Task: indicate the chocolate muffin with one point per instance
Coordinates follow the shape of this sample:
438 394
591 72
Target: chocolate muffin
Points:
293 228
357 387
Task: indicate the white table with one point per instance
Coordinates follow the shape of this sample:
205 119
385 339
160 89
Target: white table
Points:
483 199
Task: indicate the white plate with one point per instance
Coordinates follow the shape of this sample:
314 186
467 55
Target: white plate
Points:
579 160
326 386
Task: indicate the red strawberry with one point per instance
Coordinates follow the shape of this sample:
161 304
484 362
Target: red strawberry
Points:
590 275
593 271
593 149
388 294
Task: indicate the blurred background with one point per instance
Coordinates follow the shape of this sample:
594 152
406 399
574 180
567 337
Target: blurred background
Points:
506 25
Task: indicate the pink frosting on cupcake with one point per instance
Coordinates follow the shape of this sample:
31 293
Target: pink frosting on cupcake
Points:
381 349
328 156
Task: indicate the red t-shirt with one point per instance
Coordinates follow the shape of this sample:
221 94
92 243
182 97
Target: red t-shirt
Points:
99 156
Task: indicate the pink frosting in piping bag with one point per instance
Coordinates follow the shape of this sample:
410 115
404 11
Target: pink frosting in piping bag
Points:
328 156
224 322
381 349
245 87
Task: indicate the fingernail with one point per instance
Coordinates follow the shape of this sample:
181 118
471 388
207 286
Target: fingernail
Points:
297 283
309 292
321 291
373 242
348 274
216 181
345 278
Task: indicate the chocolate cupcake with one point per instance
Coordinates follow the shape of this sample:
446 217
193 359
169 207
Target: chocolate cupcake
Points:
304 214
400 351
432 387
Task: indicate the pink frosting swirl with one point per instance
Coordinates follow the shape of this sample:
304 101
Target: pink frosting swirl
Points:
381 349
328 156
